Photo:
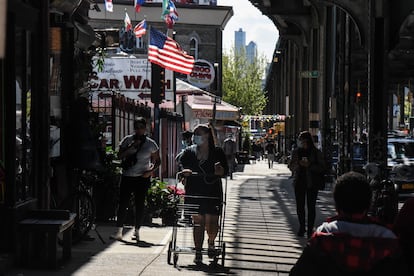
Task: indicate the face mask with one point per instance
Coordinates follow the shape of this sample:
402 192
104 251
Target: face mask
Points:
299 144
198 139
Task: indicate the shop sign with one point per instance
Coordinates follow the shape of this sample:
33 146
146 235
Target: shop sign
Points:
203 74
220 115
126 75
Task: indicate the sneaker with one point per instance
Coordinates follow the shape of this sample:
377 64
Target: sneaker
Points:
211 252
301 233
198 257
117 235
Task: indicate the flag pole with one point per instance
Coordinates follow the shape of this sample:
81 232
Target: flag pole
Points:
174 84
156 134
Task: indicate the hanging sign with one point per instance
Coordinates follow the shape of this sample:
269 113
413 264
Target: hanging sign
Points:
126 75
202 75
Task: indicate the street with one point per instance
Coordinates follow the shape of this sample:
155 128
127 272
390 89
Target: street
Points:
259 234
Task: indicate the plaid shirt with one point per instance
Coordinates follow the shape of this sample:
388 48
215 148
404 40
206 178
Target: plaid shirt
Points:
353 253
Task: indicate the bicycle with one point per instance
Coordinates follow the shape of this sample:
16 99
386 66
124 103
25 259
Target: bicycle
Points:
384 204
80 201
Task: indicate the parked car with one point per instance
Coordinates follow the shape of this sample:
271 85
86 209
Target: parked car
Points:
359 156
400 151
403 178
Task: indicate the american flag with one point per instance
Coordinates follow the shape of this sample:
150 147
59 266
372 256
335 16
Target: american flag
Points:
127 22
109 6
169 14
138 4
141 28
166 52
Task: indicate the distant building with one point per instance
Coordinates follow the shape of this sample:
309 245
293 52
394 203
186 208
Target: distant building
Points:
251 51
240 40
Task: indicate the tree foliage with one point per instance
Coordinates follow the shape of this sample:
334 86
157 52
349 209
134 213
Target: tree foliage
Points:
242 82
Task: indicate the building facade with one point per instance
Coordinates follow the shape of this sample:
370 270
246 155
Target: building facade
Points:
46 123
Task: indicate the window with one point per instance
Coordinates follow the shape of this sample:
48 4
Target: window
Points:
23 113
194 47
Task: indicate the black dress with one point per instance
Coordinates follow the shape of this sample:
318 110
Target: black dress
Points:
204 189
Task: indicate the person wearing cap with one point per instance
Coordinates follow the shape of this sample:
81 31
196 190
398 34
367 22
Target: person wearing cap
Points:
142 158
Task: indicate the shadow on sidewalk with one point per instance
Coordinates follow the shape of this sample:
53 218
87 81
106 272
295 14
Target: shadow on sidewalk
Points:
262 225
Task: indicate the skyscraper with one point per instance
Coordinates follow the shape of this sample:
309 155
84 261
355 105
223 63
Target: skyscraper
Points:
251 52
239 40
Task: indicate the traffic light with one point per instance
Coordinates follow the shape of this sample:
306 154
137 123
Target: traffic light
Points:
358 97
157 83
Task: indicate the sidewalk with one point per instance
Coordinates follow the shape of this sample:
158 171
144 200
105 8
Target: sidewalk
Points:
259 235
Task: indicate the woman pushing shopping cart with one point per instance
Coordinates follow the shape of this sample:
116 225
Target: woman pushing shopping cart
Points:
203 165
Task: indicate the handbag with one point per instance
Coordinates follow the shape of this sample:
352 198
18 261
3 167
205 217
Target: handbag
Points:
130 160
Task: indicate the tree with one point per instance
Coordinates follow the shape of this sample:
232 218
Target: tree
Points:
242 82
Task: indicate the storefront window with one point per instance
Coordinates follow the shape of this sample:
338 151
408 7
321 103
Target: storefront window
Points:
23 114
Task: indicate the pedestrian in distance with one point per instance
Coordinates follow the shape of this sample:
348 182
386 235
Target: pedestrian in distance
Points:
271 150
204 165
140 158
230 149
351 243
404 228
257 149
186 141
308 167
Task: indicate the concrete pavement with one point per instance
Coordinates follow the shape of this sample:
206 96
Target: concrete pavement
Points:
258 234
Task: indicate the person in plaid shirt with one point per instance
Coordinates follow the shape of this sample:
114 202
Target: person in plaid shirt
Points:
351 243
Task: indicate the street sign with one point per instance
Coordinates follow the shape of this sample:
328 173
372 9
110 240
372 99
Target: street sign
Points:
143 95
309 74
216 99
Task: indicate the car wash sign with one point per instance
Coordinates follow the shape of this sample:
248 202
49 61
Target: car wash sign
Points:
126 75
202 75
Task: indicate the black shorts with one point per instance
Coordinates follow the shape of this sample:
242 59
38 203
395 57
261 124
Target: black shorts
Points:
202 206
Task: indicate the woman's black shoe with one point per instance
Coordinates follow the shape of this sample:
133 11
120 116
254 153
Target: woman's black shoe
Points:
198 258
211 252
301 233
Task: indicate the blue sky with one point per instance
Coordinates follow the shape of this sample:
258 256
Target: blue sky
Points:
258 27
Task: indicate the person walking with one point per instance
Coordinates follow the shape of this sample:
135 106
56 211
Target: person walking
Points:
186 141
230 149
140 158
270 149
204 164
308 167
351 243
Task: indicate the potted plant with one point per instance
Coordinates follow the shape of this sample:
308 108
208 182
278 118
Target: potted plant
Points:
162 200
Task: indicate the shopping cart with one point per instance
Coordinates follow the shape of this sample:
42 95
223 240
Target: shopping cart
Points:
182 232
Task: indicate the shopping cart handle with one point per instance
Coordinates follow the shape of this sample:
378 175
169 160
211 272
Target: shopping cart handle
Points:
187 172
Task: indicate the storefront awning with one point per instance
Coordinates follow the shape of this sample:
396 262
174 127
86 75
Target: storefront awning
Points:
202 107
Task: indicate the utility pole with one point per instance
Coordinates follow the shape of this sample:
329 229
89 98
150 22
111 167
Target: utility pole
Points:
216 98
